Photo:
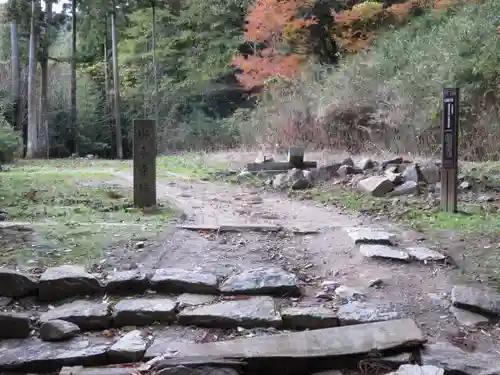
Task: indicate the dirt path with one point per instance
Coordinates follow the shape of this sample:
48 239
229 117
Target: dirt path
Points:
417 290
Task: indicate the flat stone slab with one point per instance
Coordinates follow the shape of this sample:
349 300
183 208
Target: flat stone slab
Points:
14 325
144 311
248 313
424 254
467 318
328 342
188 299
361 312
454 360
85 314
309 318
262 280
418 370
129 348
476 299
383 251
108 370
37 356
176 280
370 236
233 228
16 284
126 282
58 330
61 282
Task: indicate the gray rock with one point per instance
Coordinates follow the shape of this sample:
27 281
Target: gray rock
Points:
361 312
430 172
345 170
37 356
326 172
188 299
348 293
248 313
129 348
5 301
294 175
107 370
144 311
201 370
175 280
397 359
280 181
263 280
383 251
366 164
483 198
376 186
406 188
454 360
439 300
398 160
309 318
244 175
467 318
58 330
418 370
14 325
475 299
370 236
465 185
85 314
412 173
16 284
126 282
348 161
301 184
61 282
395 178
424 254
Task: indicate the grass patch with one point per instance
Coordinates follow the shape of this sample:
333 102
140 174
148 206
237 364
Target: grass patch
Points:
76 214
190 165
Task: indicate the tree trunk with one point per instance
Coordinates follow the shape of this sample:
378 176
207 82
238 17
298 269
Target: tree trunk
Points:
106 64
73 131
155 77
116 84
17 112
32 142
43 127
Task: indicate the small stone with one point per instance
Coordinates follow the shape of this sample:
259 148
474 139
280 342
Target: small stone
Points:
483 198
345 170
467 318
144 311
188 299
129 348
465 185
476 299
418 370
424 254
348 293
139 245
439 300
14 325
376 186
406 188
175 280
126 282
376 283
366 164
370 236
58 330
16 284
360 312
262 280
383 251
247 313
85 314
58 283
330 285
309 318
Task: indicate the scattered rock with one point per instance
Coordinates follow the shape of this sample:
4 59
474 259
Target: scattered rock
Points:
412 173
406 188
345 170
360 312
465 185
483 198
302 183
280 181
398 359
430 172
309 318
175 280
262 280
144 311
475 299
85 314
324 296
61 282
16 284
366 164
129 348
14 325
121 282
107 370
376 283
424 254
370 236
247 313
244 175
383 251
347 293
188 299
325 172
376 186
58 330
330 285
5 301
394 161
348 161
467 318
418 370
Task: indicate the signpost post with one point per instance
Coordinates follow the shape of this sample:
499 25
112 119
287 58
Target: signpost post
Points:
144 163
449 134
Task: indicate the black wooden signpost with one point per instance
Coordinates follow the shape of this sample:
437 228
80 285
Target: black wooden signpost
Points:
449 134
144 163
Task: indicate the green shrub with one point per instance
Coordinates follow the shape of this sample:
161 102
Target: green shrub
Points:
10 142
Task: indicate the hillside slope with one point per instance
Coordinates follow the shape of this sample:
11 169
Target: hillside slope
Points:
390 97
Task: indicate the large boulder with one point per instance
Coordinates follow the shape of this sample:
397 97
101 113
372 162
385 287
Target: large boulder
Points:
376 186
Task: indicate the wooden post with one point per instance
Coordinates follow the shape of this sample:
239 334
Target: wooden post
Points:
296 157
449 131
144 163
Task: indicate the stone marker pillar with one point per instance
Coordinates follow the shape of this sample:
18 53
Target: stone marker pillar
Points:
144 163
296 157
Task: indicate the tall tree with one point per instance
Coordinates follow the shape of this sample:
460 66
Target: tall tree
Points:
16 78
116 84
73 126
32 149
